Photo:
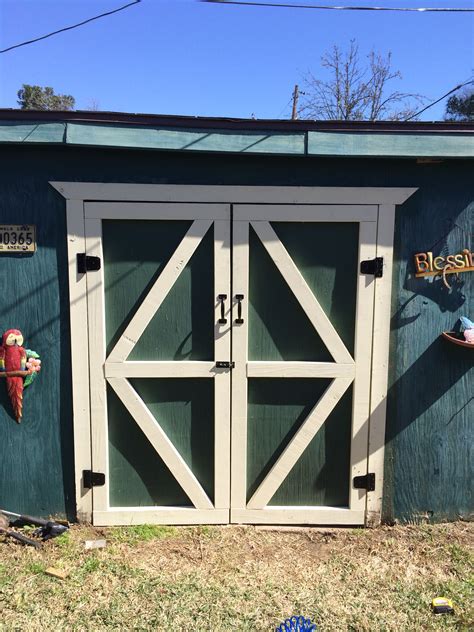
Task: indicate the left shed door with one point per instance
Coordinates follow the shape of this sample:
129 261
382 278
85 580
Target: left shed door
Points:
160 408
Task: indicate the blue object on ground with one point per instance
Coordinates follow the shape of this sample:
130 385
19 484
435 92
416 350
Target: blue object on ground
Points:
296 624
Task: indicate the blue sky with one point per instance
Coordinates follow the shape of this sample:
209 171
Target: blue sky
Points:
193 58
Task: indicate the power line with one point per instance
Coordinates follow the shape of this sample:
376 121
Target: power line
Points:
285 107
69 28
461 85
342 8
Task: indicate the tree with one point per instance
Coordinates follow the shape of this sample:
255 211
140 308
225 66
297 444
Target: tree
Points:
460 108
355 90
38 98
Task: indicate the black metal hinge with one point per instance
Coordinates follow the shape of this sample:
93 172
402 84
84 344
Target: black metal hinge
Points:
365 482
225 365
86 263
92 479
372 266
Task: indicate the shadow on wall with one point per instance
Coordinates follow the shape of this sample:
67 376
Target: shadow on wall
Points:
429 402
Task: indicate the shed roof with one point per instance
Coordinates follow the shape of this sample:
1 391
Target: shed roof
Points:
257 136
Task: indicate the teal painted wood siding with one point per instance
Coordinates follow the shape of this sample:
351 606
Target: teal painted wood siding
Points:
430 405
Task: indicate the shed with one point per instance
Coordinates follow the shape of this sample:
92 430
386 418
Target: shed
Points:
229 320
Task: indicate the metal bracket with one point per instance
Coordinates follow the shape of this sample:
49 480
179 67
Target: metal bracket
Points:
86 263
225 365
92 479
372 266
365 482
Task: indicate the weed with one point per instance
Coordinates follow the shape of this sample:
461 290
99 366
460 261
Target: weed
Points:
90 565
141 533
35 568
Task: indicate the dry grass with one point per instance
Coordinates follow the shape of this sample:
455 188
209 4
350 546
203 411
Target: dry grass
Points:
233 578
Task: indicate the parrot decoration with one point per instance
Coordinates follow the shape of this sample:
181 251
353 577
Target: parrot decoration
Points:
468 328
20 367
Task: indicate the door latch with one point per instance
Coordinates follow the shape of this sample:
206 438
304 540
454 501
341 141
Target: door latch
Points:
372 266
225 365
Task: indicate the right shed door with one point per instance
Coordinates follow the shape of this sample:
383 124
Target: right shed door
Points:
302 325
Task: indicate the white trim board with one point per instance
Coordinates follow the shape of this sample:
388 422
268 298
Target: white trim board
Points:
98 191
76 193
298 515
124 516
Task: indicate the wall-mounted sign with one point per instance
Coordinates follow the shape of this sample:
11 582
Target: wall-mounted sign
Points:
17 238
427 264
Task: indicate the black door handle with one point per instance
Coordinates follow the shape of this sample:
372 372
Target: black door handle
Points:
240 297
222 319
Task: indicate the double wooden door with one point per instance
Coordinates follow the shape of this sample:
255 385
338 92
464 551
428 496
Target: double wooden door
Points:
230 360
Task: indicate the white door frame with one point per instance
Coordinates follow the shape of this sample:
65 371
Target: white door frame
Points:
76 193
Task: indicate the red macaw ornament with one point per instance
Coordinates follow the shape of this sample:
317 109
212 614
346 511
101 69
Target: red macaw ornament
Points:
13 358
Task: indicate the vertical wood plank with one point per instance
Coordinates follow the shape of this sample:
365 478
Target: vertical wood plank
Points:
363 359
380 360
240 285
98 391
79 356
222 379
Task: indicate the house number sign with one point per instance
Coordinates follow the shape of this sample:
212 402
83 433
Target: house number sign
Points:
17 238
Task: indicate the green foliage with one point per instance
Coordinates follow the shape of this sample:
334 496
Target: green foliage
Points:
32 376
35 568
38 98
64 541
460 107
141 533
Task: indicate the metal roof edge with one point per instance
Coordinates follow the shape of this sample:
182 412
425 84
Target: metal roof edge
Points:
203 122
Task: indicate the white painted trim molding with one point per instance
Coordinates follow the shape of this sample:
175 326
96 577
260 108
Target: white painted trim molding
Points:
97 191
76 242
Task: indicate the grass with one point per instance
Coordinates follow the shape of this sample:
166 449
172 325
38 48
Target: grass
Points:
241 578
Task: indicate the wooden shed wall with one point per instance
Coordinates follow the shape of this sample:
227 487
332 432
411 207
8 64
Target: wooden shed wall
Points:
430 407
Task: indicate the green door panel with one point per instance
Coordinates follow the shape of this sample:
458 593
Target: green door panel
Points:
185 411
278 327
326 254
135 253
137 475
277 408
183 326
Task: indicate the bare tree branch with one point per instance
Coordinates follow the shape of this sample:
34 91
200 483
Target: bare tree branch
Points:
354 90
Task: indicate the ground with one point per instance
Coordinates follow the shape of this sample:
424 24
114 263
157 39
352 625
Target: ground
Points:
241 578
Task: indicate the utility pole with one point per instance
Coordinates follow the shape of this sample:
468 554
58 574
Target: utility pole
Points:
294 113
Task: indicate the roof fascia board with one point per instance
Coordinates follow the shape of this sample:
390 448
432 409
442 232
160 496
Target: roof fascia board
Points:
334 143
439 145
